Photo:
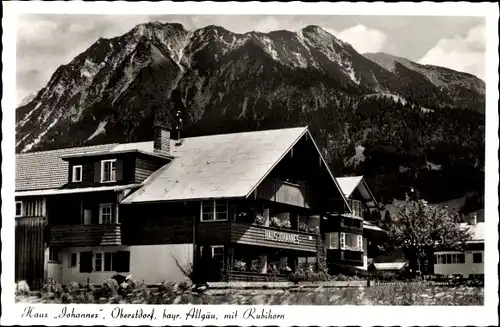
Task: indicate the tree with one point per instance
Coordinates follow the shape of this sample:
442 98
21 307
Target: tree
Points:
420 229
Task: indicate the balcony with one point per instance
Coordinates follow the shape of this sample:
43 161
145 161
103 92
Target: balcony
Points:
85 235
247 233
351 225
284 192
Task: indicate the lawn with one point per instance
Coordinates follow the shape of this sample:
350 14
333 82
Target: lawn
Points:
169 293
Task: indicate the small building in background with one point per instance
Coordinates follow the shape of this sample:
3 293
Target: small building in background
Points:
388 267
468 263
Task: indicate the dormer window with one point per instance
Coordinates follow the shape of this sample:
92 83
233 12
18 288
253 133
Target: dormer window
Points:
19 208
77 174
108 171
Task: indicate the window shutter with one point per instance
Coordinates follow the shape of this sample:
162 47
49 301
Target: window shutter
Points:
97 172
94 215
121 261
119 170
360 242
342 241
86 262
335 240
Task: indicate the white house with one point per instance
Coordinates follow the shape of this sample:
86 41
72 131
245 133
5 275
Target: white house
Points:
468 264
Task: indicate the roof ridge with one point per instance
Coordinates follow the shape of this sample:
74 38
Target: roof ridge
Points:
68 148
247 132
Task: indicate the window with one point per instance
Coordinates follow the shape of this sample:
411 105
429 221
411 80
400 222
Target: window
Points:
350 241
107 261
108 171
105 213
218 253
448 258
54 254
98 262
332 240
73 257
19 208
477 257
461 258
86 262
214 210
77 173
356 207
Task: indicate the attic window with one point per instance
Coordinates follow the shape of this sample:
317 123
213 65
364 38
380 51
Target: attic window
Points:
108 171
77 174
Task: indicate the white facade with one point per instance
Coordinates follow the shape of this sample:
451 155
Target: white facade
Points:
150 264
444 266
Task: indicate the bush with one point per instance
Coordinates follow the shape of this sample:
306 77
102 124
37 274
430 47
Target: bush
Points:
52 287
110 288
22 288
386 276
302 276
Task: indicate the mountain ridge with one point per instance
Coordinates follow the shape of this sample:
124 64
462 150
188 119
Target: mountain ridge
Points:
226 82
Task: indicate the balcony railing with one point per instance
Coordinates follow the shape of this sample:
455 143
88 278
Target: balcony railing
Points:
283 192
85 235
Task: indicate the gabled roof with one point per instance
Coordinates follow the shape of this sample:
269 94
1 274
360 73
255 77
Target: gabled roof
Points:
476 231
390 265
369 225
219 166
349 184
45 169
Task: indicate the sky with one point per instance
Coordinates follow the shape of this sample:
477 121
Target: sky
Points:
46 41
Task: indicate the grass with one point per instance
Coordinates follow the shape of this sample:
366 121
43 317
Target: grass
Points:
169 293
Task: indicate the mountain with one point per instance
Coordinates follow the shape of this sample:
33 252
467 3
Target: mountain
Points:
27 99
227 82
439 82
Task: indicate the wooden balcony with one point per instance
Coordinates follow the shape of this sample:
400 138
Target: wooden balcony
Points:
284 192
351 225
246 233
85 235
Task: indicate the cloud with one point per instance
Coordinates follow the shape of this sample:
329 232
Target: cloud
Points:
362 38
44 42
461 53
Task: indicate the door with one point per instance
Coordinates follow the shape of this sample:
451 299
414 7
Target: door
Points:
87 216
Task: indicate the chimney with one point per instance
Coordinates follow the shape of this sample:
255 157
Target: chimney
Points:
161 139
178 119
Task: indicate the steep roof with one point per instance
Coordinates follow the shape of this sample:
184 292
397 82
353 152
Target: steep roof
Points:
45 169
218 166
476 231
349 184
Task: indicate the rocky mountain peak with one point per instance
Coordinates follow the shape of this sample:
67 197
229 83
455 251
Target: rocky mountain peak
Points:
117 85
